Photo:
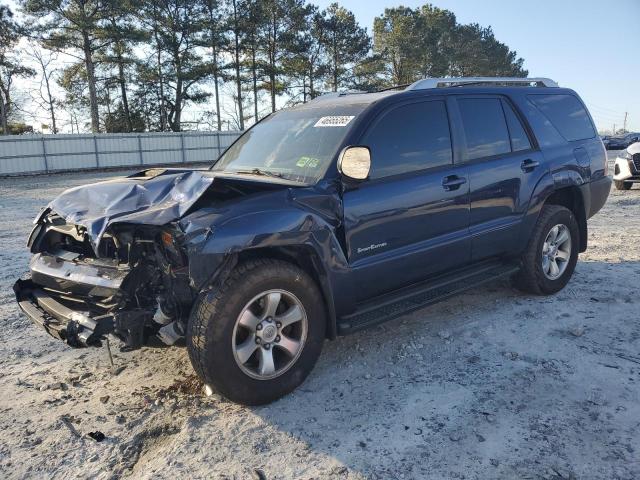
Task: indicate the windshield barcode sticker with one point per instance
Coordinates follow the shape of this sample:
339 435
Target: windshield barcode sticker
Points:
334 121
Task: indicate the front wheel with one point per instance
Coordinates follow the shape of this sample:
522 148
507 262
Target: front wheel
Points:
622 185
551 256
258 335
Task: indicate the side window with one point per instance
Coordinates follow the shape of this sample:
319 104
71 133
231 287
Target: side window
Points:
519 138
567 114
485 128
409 138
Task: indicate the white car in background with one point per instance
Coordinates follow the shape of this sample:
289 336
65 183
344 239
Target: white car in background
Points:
626 170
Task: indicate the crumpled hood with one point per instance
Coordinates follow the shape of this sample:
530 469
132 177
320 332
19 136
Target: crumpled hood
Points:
152 197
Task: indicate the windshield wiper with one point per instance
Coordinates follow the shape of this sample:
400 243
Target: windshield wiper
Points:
257 171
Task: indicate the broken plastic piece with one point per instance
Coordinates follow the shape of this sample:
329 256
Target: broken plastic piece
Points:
169 334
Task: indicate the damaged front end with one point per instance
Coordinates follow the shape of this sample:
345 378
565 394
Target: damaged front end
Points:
129 256
134 287
106 260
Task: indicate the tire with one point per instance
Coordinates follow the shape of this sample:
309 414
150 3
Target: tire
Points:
215 327
532 277
622 185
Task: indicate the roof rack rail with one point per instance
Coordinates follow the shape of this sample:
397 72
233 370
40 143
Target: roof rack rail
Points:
462 81
330 95
394 87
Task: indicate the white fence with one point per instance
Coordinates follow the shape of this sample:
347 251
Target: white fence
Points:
25 154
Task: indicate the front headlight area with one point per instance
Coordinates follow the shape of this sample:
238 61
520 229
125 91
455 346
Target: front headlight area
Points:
621 169
625 155
171 244
157 291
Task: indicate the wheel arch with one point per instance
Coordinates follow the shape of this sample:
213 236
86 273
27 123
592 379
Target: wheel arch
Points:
571 198
306 258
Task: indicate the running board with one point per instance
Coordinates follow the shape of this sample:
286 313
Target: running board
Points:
414 298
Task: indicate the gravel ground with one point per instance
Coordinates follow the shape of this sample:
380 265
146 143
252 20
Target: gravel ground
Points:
490 384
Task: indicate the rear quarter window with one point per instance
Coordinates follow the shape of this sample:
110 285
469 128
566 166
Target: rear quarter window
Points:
519 139
567 114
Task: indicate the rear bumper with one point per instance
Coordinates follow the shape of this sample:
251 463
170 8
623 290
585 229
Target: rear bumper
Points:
595 194
75 328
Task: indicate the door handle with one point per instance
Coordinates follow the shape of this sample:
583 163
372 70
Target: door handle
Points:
453 182
529 165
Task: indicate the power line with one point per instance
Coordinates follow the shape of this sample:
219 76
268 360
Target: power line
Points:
593 105
607 114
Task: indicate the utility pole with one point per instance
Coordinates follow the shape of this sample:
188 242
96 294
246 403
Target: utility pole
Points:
614 128
625 121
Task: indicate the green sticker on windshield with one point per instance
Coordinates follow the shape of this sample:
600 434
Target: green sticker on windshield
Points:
307 162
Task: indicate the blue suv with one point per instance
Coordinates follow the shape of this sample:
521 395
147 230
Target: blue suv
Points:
321 220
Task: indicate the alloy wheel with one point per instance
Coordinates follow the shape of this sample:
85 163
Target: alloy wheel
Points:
556 252
269 334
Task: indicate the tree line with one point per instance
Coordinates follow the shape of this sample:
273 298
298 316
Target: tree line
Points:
137 65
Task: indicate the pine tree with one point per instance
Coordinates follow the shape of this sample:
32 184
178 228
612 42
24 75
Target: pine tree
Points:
306 61
73 81
478 53
428 41
10 66
178 34
124 34
214 40
346 43
74 25
397 40
284 19
253 23
236 49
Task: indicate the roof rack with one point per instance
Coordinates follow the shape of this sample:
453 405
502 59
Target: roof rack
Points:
462 81
394 87
329 95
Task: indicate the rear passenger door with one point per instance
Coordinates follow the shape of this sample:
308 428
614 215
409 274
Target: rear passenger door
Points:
410 219
504 168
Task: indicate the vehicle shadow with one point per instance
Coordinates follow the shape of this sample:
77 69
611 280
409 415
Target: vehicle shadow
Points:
492 383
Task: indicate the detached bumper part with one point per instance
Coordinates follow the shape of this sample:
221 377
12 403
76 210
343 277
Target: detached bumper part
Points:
81 279
59 321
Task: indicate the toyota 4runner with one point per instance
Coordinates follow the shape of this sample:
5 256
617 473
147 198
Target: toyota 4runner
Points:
321 220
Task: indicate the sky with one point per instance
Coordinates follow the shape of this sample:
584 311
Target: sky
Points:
591 46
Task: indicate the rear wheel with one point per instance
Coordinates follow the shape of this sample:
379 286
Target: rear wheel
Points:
257 336
552 253
622 185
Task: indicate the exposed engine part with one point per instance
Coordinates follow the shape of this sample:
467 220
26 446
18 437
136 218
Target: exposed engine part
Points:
166 311
130 327
171 333
161 318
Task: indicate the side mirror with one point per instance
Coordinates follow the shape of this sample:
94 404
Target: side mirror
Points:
355 163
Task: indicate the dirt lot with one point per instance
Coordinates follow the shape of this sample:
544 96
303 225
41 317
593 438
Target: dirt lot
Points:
491 384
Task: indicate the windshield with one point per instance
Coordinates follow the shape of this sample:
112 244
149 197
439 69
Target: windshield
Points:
294 144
